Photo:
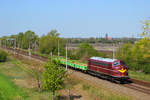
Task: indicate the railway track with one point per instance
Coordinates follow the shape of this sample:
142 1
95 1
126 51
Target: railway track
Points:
135 84
139 82
138 88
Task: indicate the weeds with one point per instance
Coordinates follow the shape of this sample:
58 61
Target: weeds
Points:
10 91
20 85
102 93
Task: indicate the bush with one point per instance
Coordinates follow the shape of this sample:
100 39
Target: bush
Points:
3 56
85 51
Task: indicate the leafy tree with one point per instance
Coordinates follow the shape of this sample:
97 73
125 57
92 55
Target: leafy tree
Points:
3 56
85 51
124 52
53 76
19 39
49 43
72 54
28 39
146 29
3 41
53 33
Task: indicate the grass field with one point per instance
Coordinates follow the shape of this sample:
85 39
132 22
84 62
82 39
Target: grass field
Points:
17 84
9 91
139 76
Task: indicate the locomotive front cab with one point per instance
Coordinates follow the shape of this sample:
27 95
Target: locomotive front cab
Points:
120 70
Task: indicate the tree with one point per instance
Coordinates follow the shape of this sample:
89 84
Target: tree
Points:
85 51
3 41
37 72
3 56
124 52
146 29
53 33
28 39
49 43
53 76
19 39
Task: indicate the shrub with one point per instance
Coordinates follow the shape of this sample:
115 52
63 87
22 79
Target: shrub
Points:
53 76
3 56
85 51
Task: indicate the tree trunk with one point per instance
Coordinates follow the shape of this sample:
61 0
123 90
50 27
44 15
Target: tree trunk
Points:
39 84
53 96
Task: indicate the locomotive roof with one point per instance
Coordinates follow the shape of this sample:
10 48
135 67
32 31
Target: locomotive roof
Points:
103 59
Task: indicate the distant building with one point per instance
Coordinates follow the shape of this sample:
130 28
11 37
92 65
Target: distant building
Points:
107 37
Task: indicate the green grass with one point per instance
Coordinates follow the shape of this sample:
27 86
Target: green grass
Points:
13 82
139 76
9 91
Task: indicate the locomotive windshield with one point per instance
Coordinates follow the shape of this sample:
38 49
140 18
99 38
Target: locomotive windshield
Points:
116 63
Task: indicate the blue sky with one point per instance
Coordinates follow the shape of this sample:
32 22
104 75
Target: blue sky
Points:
74 18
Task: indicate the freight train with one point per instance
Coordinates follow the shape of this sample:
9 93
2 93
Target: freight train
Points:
112 69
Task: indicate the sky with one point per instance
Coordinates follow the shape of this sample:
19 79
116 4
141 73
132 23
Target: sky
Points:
74 18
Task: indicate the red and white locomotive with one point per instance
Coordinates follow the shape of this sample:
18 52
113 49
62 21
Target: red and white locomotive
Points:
111 68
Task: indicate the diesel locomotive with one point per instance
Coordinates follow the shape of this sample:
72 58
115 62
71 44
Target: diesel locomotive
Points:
111 68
